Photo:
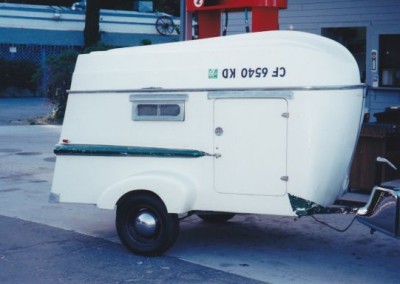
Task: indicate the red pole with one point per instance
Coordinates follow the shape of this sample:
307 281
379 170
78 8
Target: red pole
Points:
209 23
265 19
265 14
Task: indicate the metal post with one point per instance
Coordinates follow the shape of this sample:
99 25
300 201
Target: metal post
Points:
183 18
43 66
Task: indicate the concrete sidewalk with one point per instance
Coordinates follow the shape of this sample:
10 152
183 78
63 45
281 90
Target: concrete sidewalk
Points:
272 249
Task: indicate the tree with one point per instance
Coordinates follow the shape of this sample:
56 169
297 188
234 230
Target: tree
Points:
91 32
167 6
60 70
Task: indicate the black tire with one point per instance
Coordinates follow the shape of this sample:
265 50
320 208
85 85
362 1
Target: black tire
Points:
216 218
165 25
144 226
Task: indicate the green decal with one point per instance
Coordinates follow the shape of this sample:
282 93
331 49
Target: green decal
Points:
212 73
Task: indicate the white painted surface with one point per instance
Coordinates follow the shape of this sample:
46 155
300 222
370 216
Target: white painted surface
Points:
308 60
313 147
253 146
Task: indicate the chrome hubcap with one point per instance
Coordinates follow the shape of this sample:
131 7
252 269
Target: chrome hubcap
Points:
146 224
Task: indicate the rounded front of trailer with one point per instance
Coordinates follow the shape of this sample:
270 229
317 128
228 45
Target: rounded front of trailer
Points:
323 131
325 115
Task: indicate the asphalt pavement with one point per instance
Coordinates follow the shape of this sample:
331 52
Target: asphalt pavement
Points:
41 243
35 253
74 243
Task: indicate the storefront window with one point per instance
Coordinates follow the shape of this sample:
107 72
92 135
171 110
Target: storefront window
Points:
354 39
389 66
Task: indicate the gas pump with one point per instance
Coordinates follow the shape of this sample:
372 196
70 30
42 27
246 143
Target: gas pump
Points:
265 15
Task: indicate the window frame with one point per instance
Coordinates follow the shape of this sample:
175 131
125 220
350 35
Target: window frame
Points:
158 100
357 46
381 63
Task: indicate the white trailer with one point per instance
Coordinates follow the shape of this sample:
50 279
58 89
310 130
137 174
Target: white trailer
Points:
262 123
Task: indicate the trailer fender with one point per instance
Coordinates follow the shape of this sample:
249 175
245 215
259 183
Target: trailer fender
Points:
175 190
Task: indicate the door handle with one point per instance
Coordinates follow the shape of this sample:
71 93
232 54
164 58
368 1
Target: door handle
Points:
216 155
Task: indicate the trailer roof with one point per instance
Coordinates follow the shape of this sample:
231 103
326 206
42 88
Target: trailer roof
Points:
275 59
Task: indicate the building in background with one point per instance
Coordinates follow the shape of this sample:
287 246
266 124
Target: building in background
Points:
370 29
56 27
35 32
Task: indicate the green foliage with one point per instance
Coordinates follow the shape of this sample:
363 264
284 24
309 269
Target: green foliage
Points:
145 41
18 74
98 47
60 70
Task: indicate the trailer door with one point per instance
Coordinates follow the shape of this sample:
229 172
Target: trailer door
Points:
251 137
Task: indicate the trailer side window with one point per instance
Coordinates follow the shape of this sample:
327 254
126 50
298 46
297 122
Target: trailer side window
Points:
147 110
161 111
158 107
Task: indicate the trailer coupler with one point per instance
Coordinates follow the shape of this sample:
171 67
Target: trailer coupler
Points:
302 207
382 212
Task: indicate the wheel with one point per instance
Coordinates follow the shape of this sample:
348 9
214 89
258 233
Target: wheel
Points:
165 25
144 225
216 218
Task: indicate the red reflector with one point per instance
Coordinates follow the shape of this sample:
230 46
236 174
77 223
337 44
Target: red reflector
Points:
65 140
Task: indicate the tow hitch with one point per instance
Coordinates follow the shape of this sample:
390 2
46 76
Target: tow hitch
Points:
382 212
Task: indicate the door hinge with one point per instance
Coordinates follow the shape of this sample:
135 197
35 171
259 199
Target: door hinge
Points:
285 115
285 178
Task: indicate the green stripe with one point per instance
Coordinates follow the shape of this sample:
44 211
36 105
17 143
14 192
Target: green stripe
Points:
124 151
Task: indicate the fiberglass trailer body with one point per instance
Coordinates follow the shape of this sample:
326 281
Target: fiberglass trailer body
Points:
261 123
